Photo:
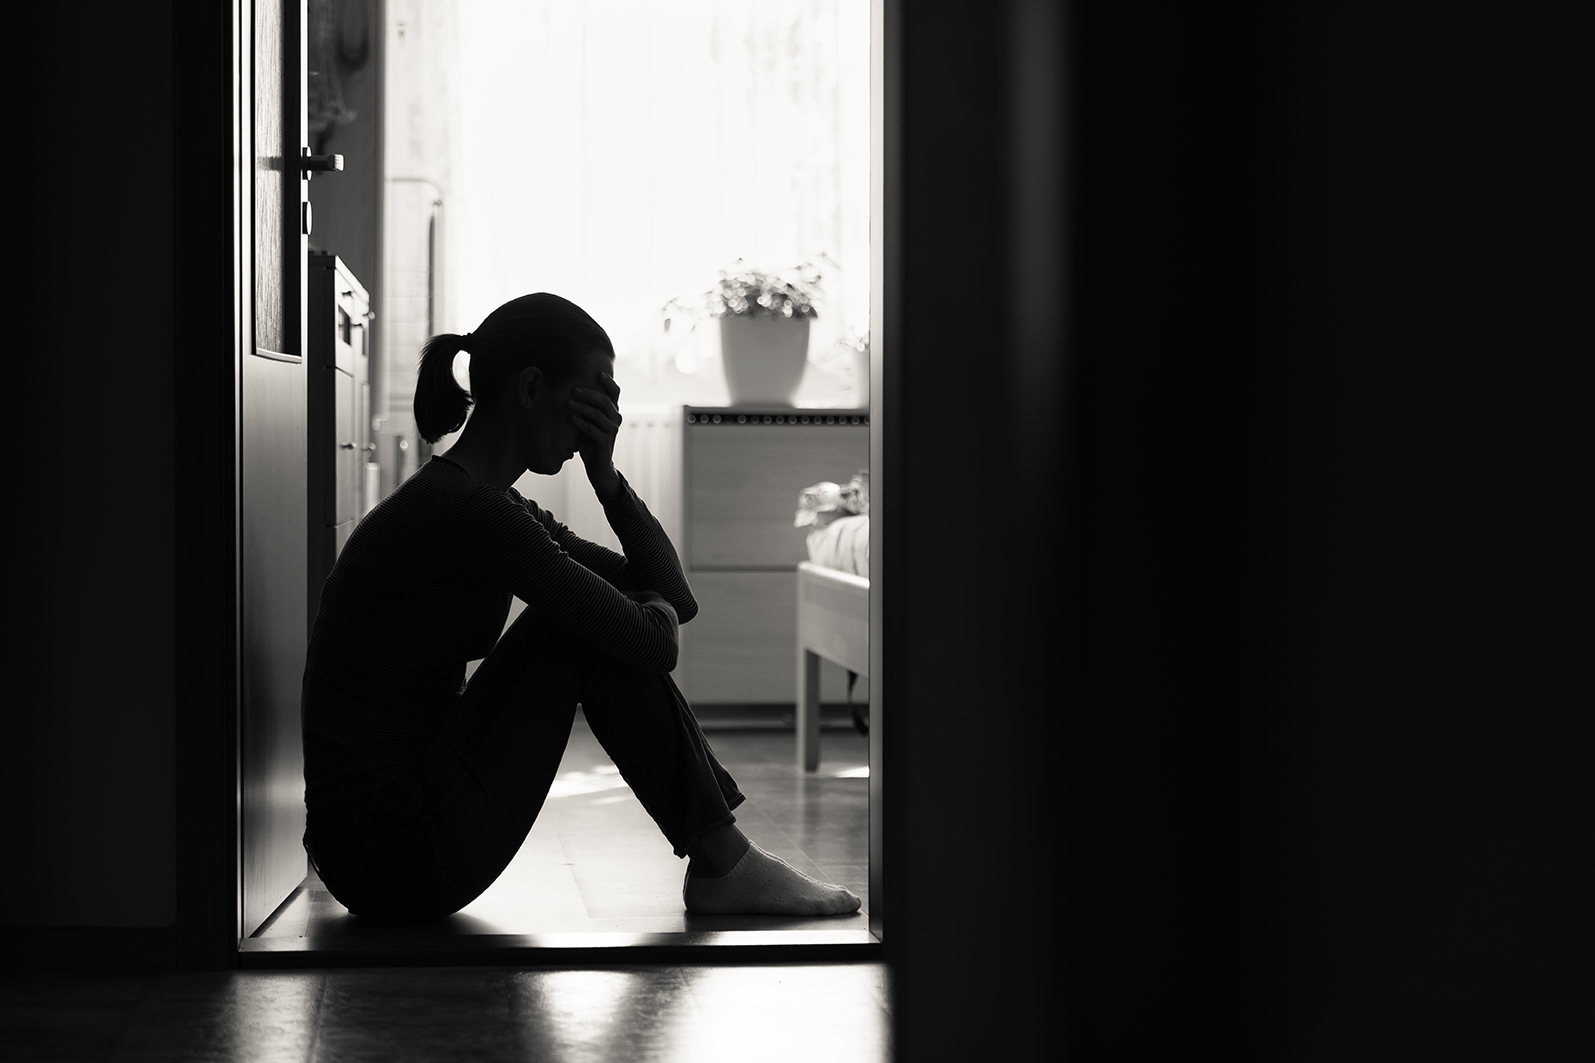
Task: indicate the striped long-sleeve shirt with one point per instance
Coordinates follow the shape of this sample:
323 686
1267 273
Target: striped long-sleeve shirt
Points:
423 586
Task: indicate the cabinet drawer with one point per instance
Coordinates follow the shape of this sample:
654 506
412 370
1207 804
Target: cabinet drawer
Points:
743 483
345 503
741 648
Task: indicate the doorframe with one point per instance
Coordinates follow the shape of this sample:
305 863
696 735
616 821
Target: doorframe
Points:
212 57
213 299
885 316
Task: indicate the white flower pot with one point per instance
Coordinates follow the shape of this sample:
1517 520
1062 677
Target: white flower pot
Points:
861 379
764 358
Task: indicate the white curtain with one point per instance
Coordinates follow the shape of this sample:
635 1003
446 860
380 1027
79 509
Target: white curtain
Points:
622 152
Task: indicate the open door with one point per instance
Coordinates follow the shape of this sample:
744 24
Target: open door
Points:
272 471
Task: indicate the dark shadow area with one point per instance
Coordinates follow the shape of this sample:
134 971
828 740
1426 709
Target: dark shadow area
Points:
1305 709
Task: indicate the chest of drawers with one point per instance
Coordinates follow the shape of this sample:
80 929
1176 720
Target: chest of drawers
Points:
743 470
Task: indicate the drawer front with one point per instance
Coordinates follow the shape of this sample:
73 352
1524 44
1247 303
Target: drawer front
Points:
347 456
742 642
743 486
741 648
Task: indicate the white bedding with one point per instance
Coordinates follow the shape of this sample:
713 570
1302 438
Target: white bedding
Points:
842 544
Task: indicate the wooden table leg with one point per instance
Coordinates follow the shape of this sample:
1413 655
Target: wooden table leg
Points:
808 709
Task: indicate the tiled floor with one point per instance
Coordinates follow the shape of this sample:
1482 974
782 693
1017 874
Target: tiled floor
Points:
595 863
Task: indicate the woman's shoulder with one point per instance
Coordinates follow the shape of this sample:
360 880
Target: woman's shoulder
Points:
443 506
431 489
530 506
423 507
506 513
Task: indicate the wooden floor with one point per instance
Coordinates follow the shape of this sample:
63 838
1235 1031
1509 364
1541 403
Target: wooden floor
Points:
594 866
832 1012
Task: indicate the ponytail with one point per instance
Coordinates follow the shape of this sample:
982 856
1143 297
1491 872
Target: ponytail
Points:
440 403
542 330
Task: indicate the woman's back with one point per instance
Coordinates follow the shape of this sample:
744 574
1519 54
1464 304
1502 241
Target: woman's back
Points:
398 619
401 609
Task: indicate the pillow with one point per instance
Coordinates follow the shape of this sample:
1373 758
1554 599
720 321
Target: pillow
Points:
825 501
842 544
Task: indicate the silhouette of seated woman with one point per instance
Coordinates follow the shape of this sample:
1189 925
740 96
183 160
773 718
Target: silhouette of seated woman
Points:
420 787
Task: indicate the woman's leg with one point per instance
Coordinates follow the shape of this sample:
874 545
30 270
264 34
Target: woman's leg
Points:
485 777
420 850
648 729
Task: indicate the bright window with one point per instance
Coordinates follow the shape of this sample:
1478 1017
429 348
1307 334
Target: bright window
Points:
622 152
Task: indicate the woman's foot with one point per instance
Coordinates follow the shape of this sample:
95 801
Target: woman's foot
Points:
761 884
717 852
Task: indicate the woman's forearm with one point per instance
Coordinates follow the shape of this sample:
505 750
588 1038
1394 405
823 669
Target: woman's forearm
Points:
651 560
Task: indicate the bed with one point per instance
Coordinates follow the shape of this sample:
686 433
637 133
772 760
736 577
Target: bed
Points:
832 619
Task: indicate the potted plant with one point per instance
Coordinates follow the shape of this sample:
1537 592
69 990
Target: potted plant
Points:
764 330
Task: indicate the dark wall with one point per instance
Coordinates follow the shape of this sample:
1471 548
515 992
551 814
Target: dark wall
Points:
1290 740
1430 656
90 754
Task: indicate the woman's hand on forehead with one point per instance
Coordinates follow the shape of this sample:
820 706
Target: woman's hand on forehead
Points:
596 414
606 384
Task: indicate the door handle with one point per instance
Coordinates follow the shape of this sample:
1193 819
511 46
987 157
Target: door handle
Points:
345 446
313 164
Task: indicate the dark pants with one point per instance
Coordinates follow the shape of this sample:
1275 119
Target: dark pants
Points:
421 850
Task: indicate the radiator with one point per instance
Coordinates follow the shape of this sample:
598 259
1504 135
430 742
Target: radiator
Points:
648 454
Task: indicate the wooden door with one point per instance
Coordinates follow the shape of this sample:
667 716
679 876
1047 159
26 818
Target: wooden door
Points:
274 507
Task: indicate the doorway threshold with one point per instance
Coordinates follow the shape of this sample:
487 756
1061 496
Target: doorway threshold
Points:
312 930
563 950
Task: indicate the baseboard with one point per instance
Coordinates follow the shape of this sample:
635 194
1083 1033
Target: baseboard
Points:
770 717
88 948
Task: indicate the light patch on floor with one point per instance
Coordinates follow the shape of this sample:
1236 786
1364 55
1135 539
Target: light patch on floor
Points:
601 778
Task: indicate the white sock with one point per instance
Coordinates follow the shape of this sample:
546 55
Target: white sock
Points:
761 884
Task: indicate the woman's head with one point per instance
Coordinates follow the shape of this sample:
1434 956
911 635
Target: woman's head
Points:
553 335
